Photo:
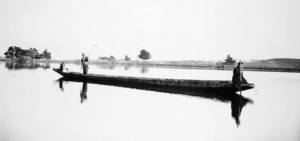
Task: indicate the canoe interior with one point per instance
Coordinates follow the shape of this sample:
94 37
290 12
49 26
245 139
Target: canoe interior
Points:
204 85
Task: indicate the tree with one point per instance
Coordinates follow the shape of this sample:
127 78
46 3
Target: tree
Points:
229 60
112 58
14 51
126 58
47 54
41 56
10 53
33 53
144 55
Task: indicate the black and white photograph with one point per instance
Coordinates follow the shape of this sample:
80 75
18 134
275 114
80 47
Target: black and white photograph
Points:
149 70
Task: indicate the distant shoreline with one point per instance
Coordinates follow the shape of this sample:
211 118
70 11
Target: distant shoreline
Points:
271 65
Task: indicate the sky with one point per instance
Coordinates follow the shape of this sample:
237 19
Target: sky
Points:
168 29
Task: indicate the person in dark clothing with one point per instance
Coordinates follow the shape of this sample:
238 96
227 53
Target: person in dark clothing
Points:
238 78
84 63
62 66
61 85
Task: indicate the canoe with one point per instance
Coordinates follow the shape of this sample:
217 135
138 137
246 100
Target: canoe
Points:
204 85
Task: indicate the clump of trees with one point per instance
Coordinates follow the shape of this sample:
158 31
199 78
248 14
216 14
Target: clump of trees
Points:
229 60
46 54
18 52
111 58
126 58
144 55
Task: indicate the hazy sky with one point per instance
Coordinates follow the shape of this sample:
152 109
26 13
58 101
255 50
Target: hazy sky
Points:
168 29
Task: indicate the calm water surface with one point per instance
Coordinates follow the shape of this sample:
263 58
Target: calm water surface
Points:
35 106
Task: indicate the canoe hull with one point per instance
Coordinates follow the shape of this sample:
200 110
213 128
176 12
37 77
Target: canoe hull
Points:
209 85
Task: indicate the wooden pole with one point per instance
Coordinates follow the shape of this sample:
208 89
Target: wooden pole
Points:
241 79
91 50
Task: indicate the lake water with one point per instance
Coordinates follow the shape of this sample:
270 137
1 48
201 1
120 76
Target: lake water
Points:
35 106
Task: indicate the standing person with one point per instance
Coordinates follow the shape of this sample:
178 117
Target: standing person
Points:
84 63
238 78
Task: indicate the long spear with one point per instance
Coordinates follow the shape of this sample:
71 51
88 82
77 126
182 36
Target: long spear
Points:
241 80
89 54
91 50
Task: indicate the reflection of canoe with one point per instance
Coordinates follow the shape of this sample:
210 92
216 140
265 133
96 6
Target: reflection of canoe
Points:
237 101
206 85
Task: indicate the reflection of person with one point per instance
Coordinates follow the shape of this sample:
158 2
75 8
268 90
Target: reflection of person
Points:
238 78
237 104
61 86
84 63
83 92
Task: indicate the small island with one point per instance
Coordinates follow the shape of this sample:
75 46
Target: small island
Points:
15 53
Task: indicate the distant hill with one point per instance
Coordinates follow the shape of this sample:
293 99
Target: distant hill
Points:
275 63
190 63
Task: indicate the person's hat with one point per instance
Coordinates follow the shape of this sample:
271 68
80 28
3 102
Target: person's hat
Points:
240 63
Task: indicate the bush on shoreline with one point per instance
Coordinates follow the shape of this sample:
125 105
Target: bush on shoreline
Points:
18 53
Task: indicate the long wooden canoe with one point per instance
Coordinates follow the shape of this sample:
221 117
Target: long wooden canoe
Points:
205 85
